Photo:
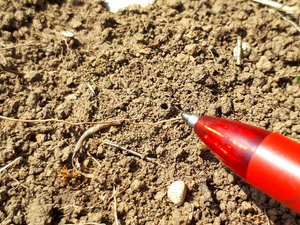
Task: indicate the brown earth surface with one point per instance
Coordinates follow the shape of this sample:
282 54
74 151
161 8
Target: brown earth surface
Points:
147 65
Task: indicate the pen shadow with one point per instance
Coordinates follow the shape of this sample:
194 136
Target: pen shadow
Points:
274 211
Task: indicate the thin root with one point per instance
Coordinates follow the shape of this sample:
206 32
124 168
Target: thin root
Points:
49 120
291 22
132 152
99 126
88 223
239 51
277 5
85 135
96 161
215 61
17 181
153 124
9 164
10 70
115 207
83 123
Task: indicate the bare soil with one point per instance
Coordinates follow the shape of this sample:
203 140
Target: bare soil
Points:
144 64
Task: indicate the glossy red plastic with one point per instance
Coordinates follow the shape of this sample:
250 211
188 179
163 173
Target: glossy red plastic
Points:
275 170
268 161
232 142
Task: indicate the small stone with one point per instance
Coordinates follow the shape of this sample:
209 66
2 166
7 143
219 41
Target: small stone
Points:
206 193
264 64
64 109
277 127
296 128
39 213
3 194
245 77
292 56
176 192
20 16
120 59
7 154
272 212
159 195
137 185
222 206
173 3
246 49
217 221
230 179
76 24
67 34
242 195
40 138
182 58
192 49
246 206
231 206
163 222
223 217
254 56
222 195
292 89
114 6
33 76
108 84
71 97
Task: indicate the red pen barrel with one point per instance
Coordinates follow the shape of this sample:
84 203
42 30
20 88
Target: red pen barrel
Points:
275 170
268 161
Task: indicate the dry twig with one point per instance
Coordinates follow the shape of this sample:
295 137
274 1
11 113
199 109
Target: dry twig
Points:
4 68
115 207
291 22
11 47
88 223
277 5
131 152
75 206
107 124
99 126
17 181
48 120
96 161
239 51
85 135
83 123
10 70
153 124
266 216
216 64
9 164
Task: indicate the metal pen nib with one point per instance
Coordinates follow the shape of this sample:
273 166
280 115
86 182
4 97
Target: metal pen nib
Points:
191 119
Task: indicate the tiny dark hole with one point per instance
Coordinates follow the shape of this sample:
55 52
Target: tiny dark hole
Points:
164 106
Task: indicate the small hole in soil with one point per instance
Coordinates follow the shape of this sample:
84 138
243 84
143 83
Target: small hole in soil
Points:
164 106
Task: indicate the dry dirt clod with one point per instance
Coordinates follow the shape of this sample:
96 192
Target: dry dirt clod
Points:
264 64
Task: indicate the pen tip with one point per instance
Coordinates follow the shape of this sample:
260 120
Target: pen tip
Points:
185 116
190 119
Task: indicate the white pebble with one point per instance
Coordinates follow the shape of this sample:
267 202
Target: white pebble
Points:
67 34
246 48
177 191
114 6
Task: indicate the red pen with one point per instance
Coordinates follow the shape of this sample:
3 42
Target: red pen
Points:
268 161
